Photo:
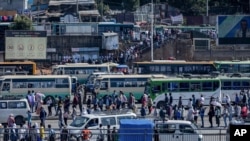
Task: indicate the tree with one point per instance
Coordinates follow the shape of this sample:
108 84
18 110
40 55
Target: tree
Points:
103 9
21 23
130 5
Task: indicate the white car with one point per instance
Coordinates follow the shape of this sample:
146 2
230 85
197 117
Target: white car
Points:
176 130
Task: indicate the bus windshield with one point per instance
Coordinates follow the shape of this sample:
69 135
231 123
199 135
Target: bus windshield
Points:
147 88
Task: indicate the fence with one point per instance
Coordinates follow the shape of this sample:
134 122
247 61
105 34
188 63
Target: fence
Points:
132 135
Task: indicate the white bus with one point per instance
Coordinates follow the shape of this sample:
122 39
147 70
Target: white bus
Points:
81 70
17 86
106 84
184 87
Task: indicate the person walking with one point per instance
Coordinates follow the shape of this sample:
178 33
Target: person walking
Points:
225 114
86 134
114 134
100 137
65 117
210 115
217 115
43 116
202 113
109 134
42 132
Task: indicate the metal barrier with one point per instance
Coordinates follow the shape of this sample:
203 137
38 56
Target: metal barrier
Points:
145 135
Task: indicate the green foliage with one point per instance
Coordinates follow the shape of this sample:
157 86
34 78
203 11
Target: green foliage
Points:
102 8
21 23
130 5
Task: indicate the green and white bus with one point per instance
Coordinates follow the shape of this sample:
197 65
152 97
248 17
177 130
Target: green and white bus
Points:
106 84
230 85
184 87
17 86
82 70
235 66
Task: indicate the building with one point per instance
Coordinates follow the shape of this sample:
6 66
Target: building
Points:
68 11
13 5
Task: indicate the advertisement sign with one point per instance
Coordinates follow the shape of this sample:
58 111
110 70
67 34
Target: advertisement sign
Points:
25 44
233 29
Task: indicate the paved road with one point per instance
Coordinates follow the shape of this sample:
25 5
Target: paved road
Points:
208 133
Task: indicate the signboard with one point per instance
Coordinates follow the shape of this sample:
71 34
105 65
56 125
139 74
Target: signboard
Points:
239 132
233 29
22 44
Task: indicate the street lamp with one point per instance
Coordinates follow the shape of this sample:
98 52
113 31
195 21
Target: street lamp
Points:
207 8
152 30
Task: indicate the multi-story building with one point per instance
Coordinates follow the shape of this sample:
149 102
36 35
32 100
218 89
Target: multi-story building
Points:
13 4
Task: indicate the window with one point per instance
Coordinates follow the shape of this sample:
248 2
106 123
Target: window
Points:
93 122
156 89
3 105
104 86
17 104
207 86
108 121
184 86
173 86
186 129
6 87
236 85
226 85
166 128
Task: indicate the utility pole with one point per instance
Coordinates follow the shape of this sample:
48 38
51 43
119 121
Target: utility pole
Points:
77 10
152 30
207 8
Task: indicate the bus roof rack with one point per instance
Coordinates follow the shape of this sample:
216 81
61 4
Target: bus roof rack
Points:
197 76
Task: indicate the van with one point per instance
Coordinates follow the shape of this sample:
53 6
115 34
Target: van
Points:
176 130
92 121
18 108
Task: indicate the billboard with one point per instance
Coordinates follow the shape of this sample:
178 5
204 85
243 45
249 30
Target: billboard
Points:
233 29
20 44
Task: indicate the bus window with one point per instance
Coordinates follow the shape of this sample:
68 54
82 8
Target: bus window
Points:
216 85
226 85
236 86
184 86
207 86
104 86
173 86
6 87
156 89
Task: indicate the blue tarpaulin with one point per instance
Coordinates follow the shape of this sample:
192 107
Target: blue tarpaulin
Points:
136 130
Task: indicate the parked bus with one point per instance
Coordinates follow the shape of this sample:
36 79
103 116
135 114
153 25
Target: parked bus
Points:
235 66
18 68
184 87
106 84
173 67
81 70
232 85
17 86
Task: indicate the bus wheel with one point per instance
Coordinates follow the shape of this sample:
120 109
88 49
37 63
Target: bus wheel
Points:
160 104
19 120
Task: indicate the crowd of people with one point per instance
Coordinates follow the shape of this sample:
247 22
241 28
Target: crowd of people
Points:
227 109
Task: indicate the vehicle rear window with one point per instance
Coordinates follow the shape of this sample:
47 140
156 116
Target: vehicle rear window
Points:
166 128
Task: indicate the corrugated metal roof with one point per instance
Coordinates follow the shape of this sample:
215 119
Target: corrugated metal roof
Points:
71 2
89 12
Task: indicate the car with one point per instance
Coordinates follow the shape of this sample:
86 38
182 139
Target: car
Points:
176 130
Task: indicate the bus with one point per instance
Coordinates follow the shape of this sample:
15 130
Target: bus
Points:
18 68
235 66
81 70
106 84
173 67
184 87
17 86
232 85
